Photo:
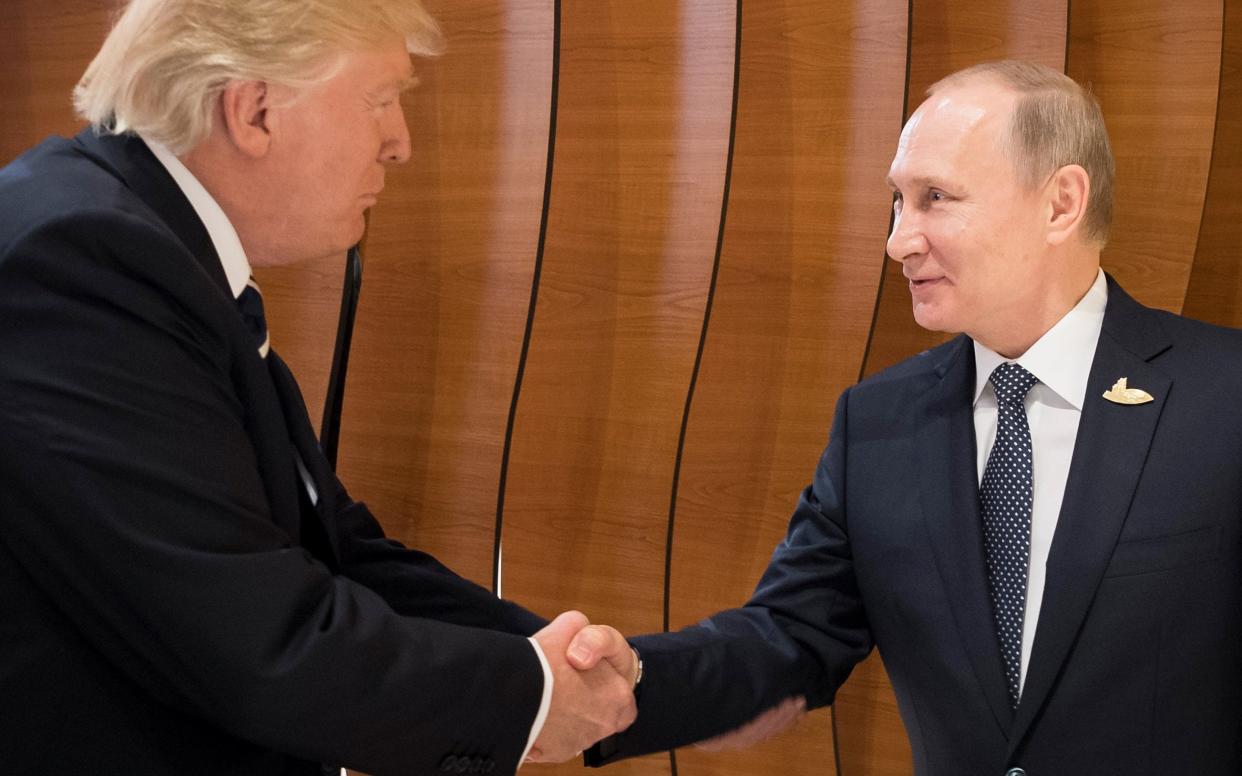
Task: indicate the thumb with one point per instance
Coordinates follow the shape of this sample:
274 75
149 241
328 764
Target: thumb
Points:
601 642
563 628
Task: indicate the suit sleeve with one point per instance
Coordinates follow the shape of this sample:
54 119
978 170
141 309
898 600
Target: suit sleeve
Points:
415 583
801 633
130 496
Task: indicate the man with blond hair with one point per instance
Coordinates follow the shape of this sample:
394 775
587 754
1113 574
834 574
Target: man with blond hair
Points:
185 587
1038 524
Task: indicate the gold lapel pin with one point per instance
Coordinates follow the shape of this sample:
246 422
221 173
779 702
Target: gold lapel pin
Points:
1120 394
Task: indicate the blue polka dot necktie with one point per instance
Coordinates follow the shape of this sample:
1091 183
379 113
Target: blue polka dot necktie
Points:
250 303
1005 502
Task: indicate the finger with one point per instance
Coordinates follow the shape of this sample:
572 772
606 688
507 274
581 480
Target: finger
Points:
601 642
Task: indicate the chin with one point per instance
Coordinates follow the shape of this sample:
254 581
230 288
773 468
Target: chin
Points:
933 319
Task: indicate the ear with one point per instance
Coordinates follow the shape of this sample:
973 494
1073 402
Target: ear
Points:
1067 193
245 106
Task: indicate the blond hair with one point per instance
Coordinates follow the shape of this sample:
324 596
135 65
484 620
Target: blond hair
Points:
1055 122
165 62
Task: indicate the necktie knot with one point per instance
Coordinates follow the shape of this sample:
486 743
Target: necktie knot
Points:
250 304
1011 383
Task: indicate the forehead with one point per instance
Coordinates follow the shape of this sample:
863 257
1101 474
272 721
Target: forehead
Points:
953 131
382 66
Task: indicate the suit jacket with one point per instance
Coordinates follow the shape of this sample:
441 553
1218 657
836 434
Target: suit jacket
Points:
170 602
1136 666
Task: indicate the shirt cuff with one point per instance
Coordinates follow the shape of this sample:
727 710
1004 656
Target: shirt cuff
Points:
545 703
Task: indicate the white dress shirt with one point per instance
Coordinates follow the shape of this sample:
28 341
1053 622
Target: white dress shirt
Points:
237 269
1061 361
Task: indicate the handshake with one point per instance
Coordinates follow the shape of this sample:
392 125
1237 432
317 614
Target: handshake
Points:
594 673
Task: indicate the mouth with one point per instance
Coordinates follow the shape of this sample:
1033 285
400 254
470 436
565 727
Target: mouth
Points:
925 282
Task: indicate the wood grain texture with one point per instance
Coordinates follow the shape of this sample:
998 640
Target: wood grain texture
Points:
819 107
1215 290
643 122
450 255
46 48
1155 65
947 37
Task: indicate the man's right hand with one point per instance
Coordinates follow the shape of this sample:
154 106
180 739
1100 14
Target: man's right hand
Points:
587 705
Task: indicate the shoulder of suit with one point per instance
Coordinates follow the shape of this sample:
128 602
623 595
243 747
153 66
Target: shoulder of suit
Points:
1184 330
56 185
929 364
58 190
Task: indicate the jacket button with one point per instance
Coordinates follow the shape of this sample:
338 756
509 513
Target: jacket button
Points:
1015 772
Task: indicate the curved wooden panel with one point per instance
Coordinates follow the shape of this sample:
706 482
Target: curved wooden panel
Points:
642 130
47 47
792 308
947 37
1155 66
1215 292
449 255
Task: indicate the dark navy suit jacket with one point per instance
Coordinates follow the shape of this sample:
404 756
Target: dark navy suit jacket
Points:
170 603
1136 666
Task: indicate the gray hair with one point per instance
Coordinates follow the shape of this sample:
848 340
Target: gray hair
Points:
1054 123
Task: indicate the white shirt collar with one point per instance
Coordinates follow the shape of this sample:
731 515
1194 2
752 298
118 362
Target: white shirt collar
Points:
223 236
1061 359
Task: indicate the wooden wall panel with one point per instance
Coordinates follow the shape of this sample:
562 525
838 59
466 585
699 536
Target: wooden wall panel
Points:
641 138
819 109
450 256
1155 65
646 91
1215 291
45 48
946 37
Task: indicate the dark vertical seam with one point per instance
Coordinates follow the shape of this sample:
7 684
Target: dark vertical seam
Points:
707 318
879 292
1069 13
534 295
832 720
875 313
1207 184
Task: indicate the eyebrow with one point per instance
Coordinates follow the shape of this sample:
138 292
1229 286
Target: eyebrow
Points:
401 85
920 181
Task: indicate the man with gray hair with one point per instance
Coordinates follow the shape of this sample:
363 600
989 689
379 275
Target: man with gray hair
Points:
185 587
1038 524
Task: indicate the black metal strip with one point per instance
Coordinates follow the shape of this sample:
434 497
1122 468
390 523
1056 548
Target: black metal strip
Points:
879 291
334 401
534 295
707 317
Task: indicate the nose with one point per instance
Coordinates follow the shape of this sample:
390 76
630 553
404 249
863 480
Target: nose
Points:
907 238
396 146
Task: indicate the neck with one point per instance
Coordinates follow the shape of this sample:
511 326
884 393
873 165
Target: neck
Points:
1012 338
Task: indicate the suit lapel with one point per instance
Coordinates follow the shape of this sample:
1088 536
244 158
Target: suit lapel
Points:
1109 454
303 437
945 460
279 416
